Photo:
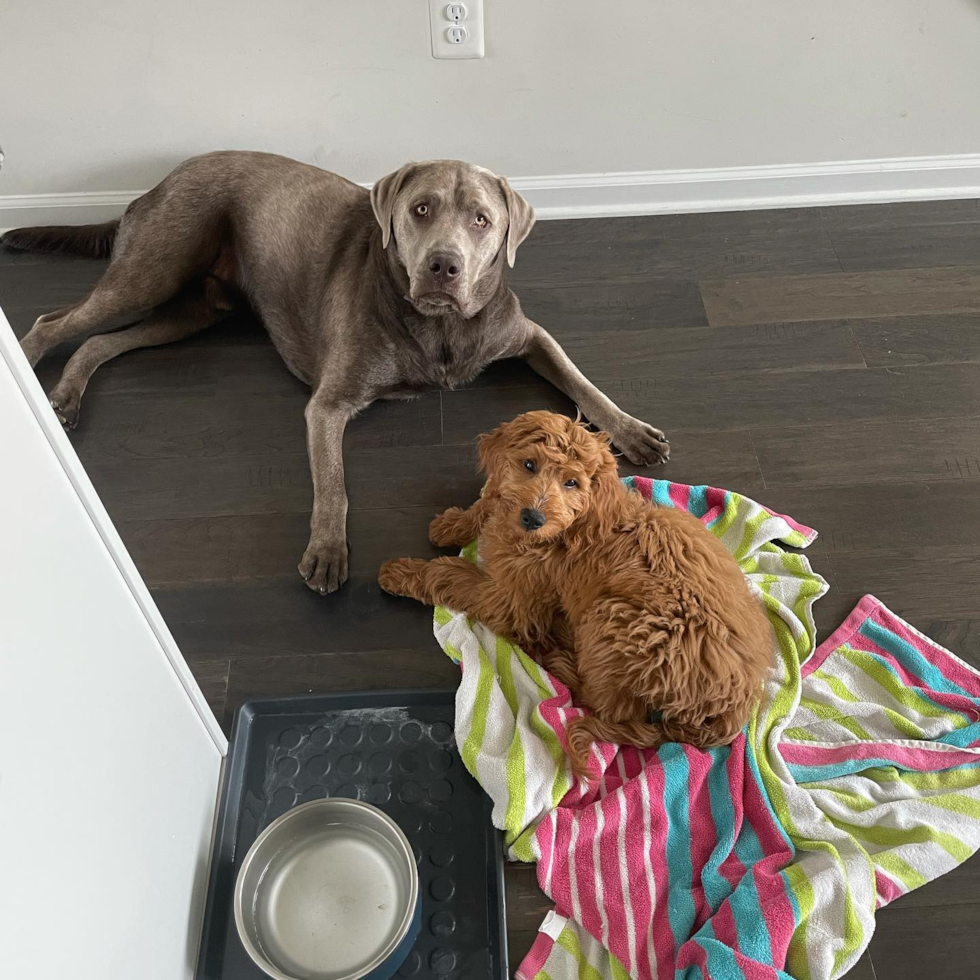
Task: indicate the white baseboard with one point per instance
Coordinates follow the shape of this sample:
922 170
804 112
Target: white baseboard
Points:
650 192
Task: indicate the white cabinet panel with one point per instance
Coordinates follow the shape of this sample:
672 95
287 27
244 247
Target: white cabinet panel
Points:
109 759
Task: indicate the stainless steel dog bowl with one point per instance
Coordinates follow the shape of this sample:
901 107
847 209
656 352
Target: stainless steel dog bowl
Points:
329 891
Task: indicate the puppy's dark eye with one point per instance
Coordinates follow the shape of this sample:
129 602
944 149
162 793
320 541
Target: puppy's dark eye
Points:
482 221
529 465
421 210
571 484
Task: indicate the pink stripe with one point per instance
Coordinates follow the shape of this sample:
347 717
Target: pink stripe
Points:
703 834
586 872
766 873
911 758
644 485
639 885
886 888
544 838
537 956
612 886
709 515
842 634
680 494
732 869
663 938
935 654
561 890
724 926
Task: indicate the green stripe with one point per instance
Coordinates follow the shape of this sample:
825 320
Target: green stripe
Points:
797 963
827 712
895 837
902 695
728 518
474 737
967 806
904 726
800 735
562 781
568 941
948 779
893 865
516 773
750 533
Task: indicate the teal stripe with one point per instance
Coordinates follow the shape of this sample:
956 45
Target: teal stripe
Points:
910 658
697 503
791 894
661 497
680 901
716 886
750 920
757 775
813 774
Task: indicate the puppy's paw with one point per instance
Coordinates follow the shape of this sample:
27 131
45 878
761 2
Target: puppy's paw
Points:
324 566
449 530
640 443
403 576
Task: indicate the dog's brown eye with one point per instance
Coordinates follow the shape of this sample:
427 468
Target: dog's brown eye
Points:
571 484
482 221
421 210
529 465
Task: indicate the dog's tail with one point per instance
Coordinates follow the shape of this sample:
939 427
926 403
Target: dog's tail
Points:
582 732
94 241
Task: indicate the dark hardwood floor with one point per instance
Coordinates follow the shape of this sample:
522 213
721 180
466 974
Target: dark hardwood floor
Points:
825 361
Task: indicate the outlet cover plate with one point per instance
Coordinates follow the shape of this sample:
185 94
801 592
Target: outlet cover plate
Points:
440 22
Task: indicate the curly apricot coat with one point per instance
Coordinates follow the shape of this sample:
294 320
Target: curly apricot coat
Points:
639 610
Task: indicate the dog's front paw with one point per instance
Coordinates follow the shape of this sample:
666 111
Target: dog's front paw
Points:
403 576
448 529
640 443
66 403
324 566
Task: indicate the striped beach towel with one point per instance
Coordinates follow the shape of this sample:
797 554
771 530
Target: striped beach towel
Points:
856 780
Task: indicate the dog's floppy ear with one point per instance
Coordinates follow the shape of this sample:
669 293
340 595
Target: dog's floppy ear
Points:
488 445
520 219
383 196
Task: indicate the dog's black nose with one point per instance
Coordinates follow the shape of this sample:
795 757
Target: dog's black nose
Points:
532 519
445 266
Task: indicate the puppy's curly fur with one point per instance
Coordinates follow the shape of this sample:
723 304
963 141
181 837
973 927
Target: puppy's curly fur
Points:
639 610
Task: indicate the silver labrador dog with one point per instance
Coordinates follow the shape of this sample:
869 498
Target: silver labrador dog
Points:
365 295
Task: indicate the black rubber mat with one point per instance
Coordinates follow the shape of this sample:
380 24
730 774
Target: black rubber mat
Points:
395 750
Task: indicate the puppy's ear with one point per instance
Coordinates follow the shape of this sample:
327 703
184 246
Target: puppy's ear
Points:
383 196
520 219
488 445
605 499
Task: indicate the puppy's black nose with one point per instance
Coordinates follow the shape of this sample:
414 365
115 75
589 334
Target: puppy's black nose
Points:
444 266
532 519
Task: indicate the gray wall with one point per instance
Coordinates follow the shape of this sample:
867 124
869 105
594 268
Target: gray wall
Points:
109 94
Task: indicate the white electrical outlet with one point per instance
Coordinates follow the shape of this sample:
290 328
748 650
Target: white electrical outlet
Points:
456 29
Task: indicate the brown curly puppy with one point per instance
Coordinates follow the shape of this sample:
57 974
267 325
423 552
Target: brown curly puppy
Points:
639 610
